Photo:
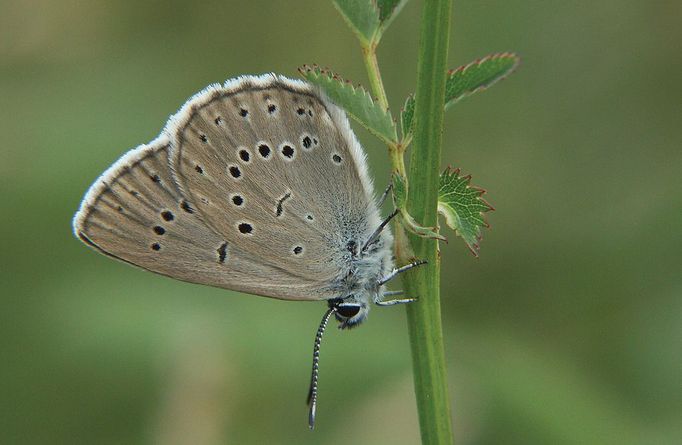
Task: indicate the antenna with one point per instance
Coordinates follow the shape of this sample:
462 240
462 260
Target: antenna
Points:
312 392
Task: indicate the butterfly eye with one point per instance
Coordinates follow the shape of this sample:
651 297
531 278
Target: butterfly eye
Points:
348 310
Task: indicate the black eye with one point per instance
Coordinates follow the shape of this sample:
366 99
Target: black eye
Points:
348 311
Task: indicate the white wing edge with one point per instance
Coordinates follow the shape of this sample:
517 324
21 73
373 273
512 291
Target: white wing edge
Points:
114 171
179 119
340 119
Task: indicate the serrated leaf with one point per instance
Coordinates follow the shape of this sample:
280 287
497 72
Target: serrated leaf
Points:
406 118
478 76
355 100
363 17
463 207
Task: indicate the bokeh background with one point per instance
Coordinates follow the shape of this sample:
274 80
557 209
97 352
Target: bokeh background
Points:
567 329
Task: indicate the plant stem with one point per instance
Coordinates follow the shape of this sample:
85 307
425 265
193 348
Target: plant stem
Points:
369 55
424 318
397 155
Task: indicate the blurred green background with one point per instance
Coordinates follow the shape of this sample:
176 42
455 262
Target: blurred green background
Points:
567 330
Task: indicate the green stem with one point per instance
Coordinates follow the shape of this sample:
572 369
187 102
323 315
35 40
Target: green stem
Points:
369 55
397 155
396 151
424 319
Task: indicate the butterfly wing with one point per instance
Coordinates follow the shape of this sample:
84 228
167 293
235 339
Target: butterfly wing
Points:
135 213
274 167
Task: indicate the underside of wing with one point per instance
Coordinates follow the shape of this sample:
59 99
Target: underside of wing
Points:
272 166
135 213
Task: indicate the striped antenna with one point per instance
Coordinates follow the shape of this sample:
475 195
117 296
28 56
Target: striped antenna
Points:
312 392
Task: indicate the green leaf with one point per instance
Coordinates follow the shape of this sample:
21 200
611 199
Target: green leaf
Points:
355 100
406 118
387 7
478 76
463 82
463 207
388 10
369 18
399 191
400 200
362 16
414 227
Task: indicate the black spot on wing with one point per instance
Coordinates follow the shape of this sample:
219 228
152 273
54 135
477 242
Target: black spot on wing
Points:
280 208
222 253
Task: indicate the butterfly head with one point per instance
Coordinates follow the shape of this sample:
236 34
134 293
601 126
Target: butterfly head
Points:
349 311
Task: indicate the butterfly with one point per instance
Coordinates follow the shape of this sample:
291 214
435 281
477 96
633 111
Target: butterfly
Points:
260 186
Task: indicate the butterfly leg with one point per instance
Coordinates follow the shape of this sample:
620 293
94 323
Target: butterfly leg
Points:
374 236
391 293
399 270
394 302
